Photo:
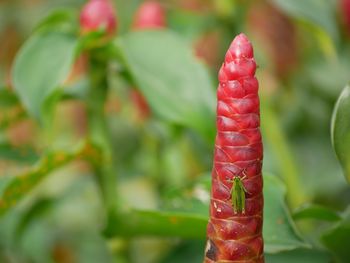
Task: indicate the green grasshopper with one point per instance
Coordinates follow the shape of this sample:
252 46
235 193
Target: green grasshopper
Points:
238 192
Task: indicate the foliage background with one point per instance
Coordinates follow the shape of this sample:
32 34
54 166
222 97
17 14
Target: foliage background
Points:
162 157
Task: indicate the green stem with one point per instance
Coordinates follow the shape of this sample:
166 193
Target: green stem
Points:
273 133
99 133
135 223
16 187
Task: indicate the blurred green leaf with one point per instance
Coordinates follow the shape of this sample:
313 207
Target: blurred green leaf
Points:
4 182
68 220
41 66
337 239
319 71
188 251
189 24
325 42
315 156
318 212
340 130
36 243
59 19
14 188
279 230
274 135
126 12
23 154
320 13
176 85
90 247
7 98
34 213
300 256
10 107
77 90
319 16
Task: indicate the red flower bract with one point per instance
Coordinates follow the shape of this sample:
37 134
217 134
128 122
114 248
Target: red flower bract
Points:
97 15
235 233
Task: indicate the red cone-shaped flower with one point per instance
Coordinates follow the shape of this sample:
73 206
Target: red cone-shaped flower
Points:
150 15
97 15
236 209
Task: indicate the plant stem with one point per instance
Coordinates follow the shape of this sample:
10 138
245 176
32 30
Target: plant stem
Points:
99 133
135 223
288 168
15 188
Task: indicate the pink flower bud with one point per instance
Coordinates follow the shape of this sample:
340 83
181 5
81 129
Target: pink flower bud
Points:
98 15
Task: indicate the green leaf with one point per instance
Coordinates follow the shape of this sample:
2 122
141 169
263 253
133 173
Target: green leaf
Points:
59 19
7 99
189 24
4 182
319 16
33 214
315 156
126 12
320 13
188 251
279 231
300 256
318 212
176 85
23 154
276 139
14 188
319 70
10 108
340 130
337 239
41 66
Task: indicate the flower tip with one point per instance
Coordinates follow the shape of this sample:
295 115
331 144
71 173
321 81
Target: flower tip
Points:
240 48
240 39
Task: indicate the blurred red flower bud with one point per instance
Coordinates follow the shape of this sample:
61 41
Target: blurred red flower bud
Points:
150 15
97 15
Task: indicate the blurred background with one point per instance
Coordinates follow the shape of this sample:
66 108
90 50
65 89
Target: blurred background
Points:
302 48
